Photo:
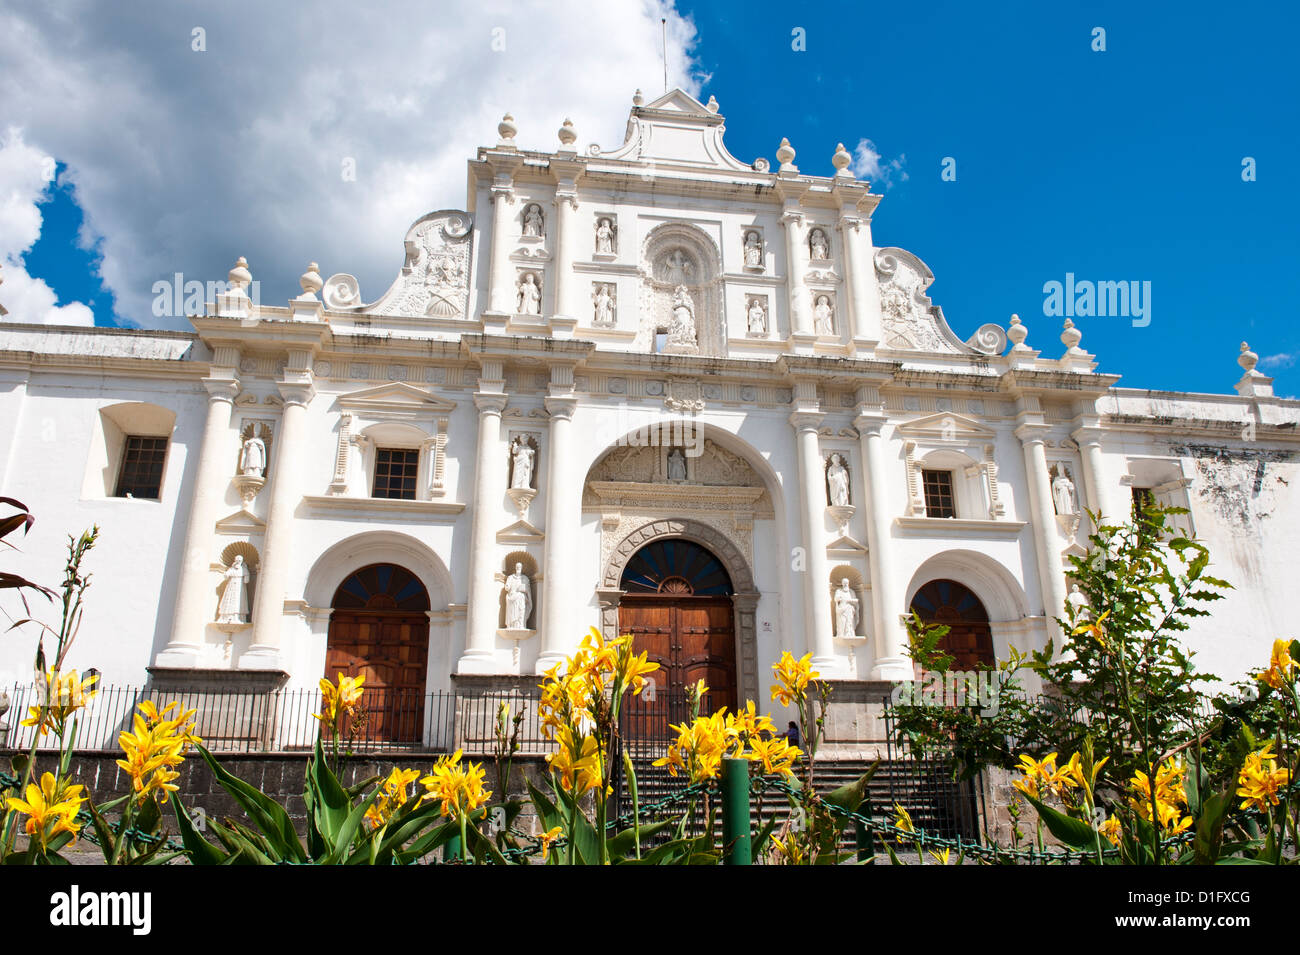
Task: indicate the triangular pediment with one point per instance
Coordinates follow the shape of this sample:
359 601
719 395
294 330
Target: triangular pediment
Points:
945 426
241 522
520 532
677 100
396 396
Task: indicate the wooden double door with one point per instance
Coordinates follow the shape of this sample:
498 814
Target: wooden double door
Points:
691 638
380 630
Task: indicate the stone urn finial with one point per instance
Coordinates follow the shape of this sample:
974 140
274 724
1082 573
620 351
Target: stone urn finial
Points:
841 161
1247 359
239 276
785 152
637 98
1071 337
712 104
507 129
1017 332
568 135
310 281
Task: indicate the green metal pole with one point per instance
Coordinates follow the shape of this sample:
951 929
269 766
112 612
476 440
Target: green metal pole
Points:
735 812
451 849
862 838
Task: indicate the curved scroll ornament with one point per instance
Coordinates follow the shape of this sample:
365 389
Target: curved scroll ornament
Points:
990 339
341 291
910 322
434 280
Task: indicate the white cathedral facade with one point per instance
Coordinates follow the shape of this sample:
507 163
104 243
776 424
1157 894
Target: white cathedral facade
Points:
655 390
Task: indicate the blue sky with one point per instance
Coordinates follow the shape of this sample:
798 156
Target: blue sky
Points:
1117 165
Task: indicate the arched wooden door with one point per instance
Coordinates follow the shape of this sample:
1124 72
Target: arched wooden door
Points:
380 628
969 640
677 606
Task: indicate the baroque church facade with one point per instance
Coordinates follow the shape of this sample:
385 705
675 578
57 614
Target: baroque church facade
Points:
654 390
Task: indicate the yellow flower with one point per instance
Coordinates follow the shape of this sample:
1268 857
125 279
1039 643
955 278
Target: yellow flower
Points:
1281 668
1096 629
1036 774
792 677
51 802
577 761
1260 780
776 755
699 747
1112 830
342 698
459 788
903 819
940 857
58 696
548 839
632 670
155 746
395 792
1169 797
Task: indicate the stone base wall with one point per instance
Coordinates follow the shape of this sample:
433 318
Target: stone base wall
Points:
855 720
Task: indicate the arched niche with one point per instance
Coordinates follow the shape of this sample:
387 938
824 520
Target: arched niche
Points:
677 254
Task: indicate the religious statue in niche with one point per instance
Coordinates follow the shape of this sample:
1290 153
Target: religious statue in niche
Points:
533 221
757 317
676 465
677 268
233 607
522 456
604 237
1064 495
837 480
846 611
519 599
530 295
753 251
252 457
682 329
824 316
604 304
818 245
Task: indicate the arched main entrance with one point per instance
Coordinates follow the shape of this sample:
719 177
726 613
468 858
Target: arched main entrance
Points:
677 605
379 628
969 640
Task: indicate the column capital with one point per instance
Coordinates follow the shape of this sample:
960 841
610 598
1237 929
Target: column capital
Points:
502 190
870 423
1030 434
1086 435
562 406
793 217
806 420
221 389
488 402
297 392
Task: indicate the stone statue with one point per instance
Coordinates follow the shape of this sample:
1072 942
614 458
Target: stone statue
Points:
530 296
521 457
676 465
519 599
682 330
533 221
1063 493
846 611
753 251
252 458
824 316
757 317
233 607
1078 604
837 478
820 247
604 305
604 237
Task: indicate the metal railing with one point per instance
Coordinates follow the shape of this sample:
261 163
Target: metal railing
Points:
242 721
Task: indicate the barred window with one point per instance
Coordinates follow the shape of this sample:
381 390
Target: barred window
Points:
937 486
142 467
395 472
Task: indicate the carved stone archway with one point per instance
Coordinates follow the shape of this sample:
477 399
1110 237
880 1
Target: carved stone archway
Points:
731 556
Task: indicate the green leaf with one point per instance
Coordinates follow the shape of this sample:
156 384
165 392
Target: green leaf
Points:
328 805
625 842
1075 833
270 817
1209 829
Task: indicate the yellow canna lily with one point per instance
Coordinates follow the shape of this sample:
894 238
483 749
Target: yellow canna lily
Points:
1281 668
792 677
50 802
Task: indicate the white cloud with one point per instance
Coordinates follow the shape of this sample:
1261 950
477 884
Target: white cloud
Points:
26 179
184 160
1280 360
867 165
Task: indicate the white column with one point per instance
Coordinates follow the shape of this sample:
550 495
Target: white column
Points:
563 518
1051 569
277 551
489 491
887 597
213 467
796 257
501 280
566 204
860 278
1093 480
812 500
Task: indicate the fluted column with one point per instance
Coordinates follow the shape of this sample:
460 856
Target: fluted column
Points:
489 490
277 551
860 278
887 597
563 517
1094 483
562 271
195 605
501 286
1051 569
796 257
812 501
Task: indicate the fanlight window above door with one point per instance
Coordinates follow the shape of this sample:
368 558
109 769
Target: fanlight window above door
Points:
677 568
